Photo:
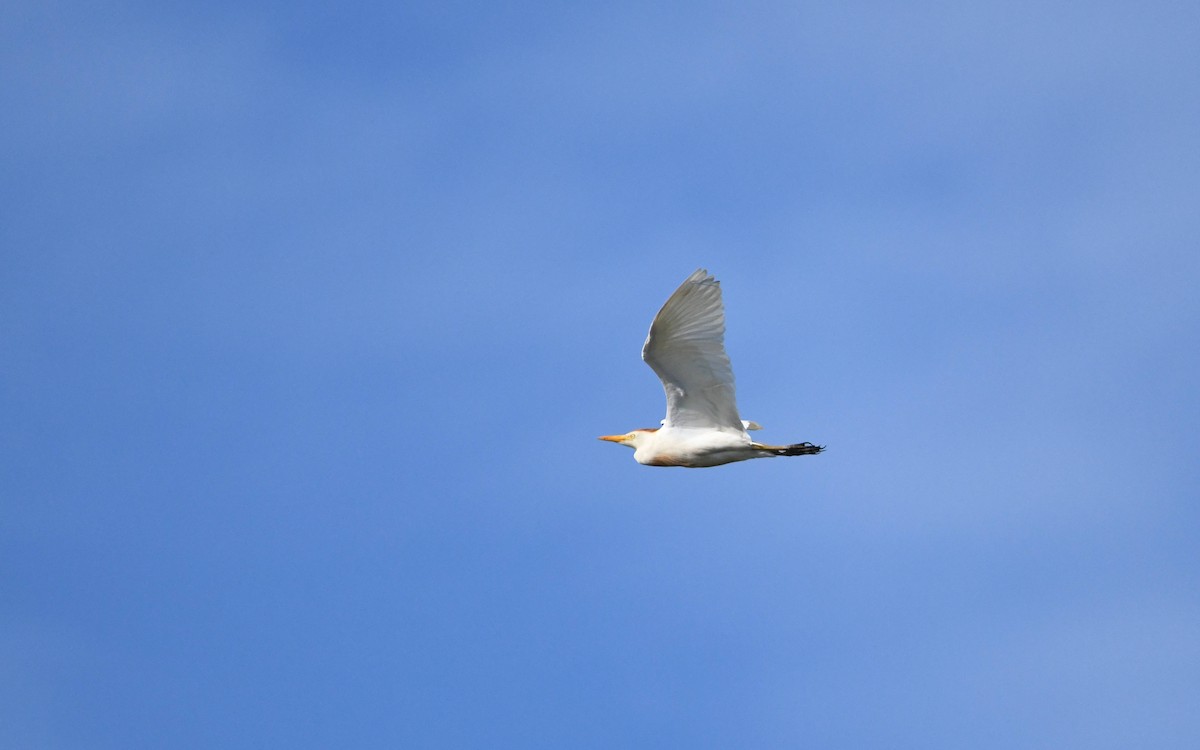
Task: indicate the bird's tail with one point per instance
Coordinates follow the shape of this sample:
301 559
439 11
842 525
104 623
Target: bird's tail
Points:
797 449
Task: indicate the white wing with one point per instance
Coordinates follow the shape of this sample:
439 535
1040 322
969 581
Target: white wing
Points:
686 348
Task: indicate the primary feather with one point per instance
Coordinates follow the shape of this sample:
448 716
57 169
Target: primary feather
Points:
686 348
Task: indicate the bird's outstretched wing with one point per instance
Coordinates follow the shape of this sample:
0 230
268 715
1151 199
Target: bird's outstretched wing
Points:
686 348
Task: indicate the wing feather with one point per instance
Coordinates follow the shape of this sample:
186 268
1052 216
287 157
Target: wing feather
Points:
686 349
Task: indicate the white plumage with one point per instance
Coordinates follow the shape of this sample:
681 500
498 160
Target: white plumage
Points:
686 348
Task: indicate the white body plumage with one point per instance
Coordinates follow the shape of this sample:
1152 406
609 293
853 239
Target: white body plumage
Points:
685 446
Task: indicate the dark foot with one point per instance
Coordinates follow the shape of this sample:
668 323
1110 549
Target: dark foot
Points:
800 449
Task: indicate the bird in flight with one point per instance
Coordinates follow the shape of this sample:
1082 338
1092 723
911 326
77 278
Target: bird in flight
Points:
686 348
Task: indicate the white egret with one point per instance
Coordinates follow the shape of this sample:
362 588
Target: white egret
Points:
686 348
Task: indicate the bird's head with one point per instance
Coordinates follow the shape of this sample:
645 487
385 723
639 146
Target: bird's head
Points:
632 439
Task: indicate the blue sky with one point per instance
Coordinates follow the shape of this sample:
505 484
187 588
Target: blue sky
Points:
310 316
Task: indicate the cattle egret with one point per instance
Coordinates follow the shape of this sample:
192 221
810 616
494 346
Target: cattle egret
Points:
686 348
